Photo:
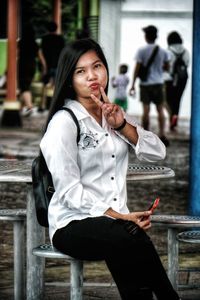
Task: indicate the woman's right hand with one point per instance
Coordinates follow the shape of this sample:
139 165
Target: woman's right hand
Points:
113 113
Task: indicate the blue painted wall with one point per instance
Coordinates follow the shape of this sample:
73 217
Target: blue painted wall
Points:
194 201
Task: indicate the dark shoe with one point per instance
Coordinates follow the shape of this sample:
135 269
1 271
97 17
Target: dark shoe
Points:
165 140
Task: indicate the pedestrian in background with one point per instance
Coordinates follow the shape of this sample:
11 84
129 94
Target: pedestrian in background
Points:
120 83
28 54
152 88
88 214
51 46
176 79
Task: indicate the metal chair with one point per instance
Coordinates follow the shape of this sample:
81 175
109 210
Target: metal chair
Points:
190 237
76 268
175 223
18 217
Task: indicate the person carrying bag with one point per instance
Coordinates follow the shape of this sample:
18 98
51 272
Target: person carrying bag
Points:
144 70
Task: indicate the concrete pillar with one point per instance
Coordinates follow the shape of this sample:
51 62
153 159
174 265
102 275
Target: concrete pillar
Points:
93 19
80 15
82 19
194 201
94 8
110 17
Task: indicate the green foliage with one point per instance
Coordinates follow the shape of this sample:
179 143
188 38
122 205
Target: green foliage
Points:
40 12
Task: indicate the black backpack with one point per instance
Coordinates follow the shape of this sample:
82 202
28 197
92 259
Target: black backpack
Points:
179 72
43 188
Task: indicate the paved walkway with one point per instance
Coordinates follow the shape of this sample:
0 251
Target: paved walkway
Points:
23 142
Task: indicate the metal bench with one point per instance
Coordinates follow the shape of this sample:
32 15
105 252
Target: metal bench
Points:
191 237
18 217
174 223
76 269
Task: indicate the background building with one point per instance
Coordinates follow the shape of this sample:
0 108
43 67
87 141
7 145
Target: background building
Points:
120 35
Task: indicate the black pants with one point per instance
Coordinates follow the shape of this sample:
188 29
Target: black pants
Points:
174 95
131 259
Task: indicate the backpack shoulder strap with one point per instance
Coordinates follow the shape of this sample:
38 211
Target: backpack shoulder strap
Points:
151 59
177 55
78 130
75 121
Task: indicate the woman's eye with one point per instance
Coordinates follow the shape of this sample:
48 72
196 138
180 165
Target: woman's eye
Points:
79 71
97 66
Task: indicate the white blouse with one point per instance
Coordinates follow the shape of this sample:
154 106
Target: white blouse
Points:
90 177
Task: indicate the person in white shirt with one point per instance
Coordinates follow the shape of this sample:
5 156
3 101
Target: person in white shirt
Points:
120 83
152 89
88 214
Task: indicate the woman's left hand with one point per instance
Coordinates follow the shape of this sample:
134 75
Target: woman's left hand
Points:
142 219
112 112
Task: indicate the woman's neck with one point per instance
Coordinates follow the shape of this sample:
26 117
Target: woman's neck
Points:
93 110
96 113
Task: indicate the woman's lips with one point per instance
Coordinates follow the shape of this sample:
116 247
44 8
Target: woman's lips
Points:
94 86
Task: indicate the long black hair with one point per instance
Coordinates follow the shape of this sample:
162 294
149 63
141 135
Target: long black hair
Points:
66 65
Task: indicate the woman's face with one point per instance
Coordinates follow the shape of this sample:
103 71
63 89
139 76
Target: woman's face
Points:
89 75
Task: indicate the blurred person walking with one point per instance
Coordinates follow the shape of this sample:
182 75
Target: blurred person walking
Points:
151 87
121 82
177 76
28 52
51 46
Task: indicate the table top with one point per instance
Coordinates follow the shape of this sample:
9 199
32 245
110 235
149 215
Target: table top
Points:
20 171
12 170
143 172
176 220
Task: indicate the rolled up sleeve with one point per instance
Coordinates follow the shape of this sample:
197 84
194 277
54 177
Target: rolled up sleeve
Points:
149 147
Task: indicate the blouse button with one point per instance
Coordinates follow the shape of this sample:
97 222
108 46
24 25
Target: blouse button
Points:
115 199
113 155
112 178
106 134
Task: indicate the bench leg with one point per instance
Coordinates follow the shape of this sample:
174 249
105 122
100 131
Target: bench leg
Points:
76 277
19 282
173 257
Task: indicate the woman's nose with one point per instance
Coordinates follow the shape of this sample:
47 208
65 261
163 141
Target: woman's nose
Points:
91 74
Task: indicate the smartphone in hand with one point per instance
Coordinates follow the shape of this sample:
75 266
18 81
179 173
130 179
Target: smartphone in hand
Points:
152 207
154 204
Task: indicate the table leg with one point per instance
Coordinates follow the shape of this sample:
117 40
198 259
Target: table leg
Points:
35 264
173 257
19 282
